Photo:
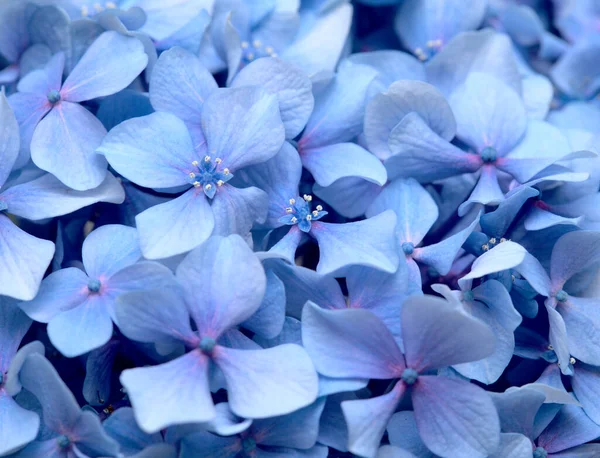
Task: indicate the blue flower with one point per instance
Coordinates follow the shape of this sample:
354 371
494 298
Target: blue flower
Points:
355 343
223 284
79 305
62 134
241 127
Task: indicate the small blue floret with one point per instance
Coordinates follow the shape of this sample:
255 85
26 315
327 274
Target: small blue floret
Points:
299 212
53 96
94 285
210 175
409 376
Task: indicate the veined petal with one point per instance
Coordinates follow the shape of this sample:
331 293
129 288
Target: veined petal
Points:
13 326
180 84
29 109
64 144
573 253
154 151
455 418
269 382
418 152
110 64
351 343
109 249
47 197
237 209
19 426
436 334
342 160
45 79
25 259
242 126
224 284
176 226
369 243
9 138
61 290
180 386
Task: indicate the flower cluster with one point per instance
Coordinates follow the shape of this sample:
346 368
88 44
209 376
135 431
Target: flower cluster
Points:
299 228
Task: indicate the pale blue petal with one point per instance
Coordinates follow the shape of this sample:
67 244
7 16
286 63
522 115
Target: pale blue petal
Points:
46 79
64 143
9 138
100 73
154 151
19 426
265 383
25 259
109 249
236 210
176 226
370 243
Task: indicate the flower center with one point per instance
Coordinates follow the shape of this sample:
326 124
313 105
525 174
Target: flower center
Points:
94 285
255 50
299 212
408 248
468 296
53 96
492 242
248 444
409 376
63 441
488 154
207 345
432 47
209 175
562 296
540 452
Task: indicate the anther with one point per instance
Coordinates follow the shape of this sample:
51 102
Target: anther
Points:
85 11
307 197
315 213
250 56
245 44
192 175
493 240
269 50
502 240
220 183
319 208
572 360
218 160
206 158
550 347
485 247
289 210
226 171
294 220
195 163
208 186
308 217
292 201
98 7
196 184
257 43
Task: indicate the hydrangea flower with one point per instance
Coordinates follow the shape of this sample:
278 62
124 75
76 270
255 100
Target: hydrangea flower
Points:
242 126
62 134
435 334
79 305
260 383
73 432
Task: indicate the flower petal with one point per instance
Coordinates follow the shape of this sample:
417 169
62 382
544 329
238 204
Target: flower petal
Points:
19 426
109 65
176 226
64 144
25 259
265 383
350 343
109 249
437 334
455 418
180 387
